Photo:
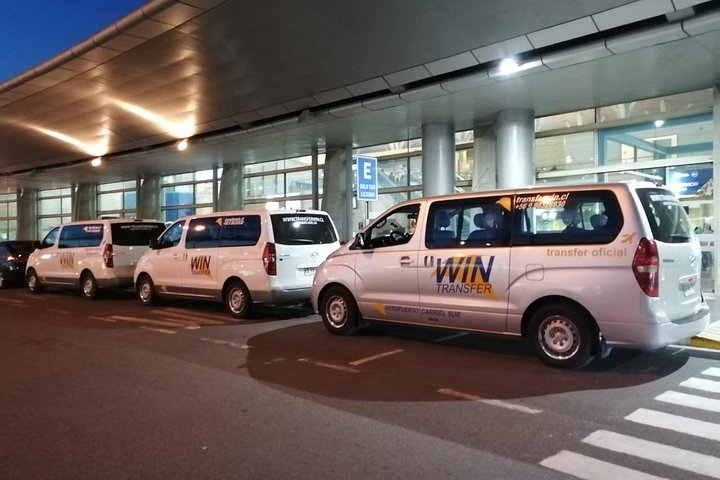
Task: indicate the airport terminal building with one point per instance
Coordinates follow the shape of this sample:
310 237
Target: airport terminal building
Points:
195 106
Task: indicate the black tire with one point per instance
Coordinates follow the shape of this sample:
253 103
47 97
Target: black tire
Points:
145 289
563 336
237 299
33 282
89 286
339 311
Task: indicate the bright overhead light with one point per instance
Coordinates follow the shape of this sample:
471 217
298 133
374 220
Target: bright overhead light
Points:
96 162
183 129
659 123
182 144
97 149
508 66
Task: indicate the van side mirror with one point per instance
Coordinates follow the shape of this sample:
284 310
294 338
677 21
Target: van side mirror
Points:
153 244
359 241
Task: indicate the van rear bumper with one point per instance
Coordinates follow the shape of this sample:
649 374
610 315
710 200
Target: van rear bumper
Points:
114 282
657 335
277 296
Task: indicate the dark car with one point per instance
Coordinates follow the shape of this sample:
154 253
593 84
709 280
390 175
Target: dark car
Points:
13 258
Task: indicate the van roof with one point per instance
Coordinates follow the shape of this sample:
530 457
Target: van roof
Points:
225 213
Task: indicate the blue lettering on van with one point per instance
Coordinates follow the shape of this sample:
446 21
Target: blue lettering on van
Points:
465 275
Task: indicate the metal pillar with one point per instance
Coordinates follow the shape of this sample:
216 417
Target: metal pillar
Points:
231 188
485 164
438 158
149 202
85 202
515 148
27 215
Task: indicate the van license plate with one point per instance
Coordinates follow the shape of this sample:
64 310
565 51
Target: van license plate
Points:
688 288
309 271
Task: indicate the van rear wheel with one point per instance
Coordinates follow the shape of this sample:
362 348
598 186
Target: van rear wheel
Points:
562 336
237 299
339 311
89 286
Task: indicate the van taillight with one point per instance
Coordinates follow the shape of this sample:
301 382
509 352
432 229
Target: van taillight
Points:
646 266
108 255
269 259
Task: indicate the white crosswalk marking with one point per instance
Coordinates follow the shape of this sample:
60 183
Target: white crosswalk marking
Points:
712 371
687 400
590 468
199 318
656 452
702 384
689 426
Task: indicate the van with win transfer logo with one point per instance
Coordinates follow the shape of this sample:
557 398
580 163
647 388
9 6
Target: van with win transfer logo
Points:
238 257
575 269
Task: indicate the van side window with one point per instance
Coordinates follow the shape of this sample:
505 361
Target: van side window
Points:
470 222
74 236
240 231
203 232
172 235
395 228
566 218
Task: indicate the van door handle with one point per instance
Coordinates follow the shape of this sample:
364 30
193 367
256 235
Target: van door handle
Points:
405 261
284 255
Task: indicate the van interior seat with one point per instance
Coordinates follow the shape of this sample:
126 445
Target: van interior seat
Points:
598 221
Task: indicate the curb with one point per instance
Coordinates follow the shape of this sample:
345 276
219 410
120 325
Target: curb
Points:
706 340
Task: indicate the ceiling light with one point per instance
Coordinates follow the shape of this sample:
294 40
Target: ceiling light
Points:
659 123
182 144
96 162
508 66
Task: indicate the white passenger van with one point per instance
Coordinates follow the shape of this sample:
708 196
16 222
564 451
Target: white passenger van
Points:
573 268
239 258
90 255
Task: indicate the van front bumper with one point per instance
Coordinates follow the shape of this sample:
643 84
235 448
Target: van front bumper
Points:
657 335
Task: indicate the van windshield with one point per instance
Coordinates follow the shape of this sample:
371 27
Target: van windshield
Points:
668 221
135 233
302 228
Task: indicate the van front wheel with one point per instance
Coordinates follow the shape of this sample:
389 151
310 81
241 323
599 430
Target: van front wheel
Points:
562 336
339 311
145 290
237 299
33 282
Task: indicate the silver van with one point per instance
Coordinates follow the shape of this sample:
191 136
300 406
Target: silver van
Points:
576 269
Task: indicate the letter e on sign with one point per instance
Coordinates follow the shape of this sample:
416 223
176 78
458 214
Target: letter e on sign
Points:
367 178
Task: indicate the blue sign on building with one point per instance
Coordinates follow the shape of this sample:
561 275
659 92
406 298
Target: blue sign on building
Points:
367 178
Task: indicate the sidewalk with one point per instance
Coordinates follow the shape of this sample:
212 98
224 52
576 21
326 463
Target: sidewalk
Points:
710 337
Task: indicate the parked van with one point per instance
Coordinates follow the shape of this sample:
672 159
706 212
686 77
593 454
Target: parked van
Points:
576 269
90 254
239 258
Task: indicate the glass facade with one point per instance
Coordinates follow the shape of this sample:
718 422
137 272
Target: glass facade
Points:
53 208
187 194
117 200
283 183
8 216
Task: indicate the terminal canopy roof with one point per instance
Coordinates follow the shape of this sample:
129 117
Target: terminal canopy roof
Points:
260 80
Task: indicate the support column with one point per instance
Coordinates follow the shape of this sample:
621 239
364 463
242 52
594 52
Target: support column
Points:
515 148
231 188
315 178
485 164
85 202
149 198
716 196
27 215
438 158
337 197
